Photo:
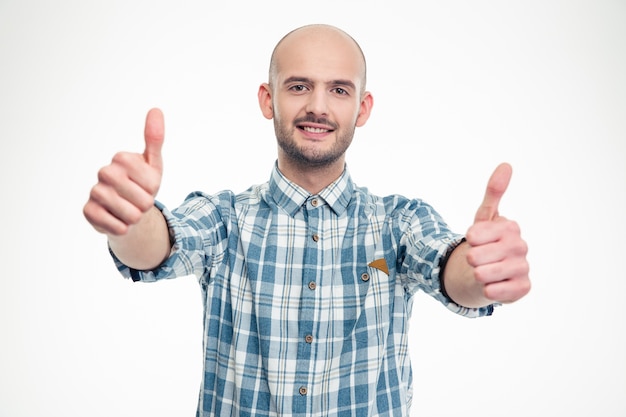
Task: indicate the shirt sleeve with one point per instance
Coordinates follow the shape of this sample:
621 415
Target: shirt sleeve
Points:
196 229
426 242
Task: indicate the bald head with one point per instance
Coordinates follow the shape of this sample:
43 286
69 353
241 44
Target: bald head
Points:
320 38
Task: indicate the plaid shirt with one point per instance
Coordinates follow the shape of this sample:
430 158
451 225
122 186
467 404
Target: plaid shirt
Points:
307 297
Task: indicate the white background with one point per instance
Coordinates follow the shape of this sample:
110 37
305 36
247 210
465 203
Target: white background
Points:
458 86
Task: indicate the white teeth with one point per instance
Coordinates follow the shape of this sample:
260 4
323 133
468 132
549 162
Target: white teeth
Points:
314 129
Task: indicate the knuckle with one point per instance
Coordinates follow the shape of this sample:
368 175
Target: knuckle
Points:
145 204
104 174
520 288
108 174
118 231
472 258
152 189
122 158
471 235
95 194
523 247
512 227
526 286
99 194
519 248
524 269
133 216
88 211
480 275
487 293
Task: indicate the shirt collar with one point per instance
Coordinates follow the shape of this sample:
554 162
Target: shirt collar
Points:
291 197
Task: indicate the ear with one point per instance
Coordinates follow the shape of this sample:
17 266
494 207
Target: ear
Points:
265 100
367 102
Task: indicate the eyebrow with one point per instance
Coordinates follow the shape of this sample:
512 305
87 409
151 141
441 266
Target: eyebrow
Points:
306 80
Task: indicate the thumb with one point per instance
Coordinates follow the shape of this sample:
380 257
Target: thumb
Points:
154 135
497 185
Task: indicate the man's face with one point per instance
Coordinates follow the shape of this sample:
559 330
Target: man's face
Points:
316 98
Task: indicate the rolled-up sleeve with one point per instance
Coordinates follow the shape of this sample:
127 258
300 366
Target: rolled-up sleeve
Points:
426 242
195 228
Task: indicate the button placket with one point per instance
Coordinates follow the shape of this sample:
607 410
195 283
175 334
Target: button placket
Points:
313 214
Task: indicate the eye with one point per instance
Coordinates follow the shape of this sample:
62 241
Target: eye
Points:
298 88
341 91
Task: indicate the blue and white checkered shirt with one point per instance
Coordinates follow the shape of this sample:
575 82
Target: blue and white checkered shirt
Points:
307 297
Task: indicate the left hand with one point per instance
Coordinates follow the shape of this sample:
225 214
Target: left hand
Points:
497 251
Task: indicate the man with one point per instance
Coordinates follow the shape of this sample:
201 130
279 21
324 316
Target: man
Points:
307 280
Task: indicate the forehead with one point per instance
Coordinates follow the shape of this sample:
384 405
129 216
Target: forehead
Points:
322 54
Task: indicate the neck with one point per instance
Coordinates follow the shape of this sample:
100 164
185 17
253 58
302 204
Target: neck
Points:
312 178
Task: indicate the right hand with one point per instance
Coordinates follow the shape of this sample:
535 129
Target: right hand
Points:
127 187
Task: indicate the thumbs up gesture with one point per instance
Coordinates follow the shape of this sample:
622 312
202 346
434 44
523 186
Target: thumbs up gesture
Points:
491 265
497 252
127 187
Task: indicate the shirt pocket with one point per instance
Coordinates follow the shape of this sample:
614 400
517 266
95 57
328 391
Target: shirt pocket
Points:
373 310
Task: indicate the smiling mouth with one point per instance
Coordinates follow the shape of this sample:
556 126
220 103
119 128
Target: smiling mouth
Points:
315 125
314 129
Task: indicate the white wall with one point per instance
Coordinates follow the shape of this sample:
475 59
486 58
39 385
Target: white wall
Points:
459 86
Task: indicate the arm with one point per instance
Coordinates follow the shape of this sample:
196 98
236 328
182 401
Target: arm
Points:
146 244
121 204
491 265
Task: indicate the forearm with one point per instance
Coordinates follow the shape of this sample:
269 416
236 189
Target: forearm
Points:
459 281
146 244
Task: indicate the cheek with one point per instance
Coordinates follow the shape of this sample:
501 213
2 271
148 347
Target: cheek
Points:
353 116
350 110
280 113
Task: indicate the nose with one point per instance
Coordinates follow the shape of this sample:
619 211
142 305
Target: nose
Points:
318 103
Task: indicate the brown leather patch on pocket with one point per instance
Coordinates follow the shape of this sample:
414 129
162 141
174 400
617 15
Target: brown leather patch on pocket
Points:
380 264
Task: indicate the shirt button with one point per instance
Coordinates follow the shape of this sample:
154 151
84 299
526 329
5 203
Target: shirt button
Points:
365 276
314 202
309 338
315 238
303 391
312 285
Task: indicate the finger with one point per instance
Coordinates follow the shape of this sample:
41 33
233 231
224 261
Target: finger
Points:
497 185
134 194
131 178
508 291
129 171
154 135
485 254
106 197
501 271
482 233
501 240
102 220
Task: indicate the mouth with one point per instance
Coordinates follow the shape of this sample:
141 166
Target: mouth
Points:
315 130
